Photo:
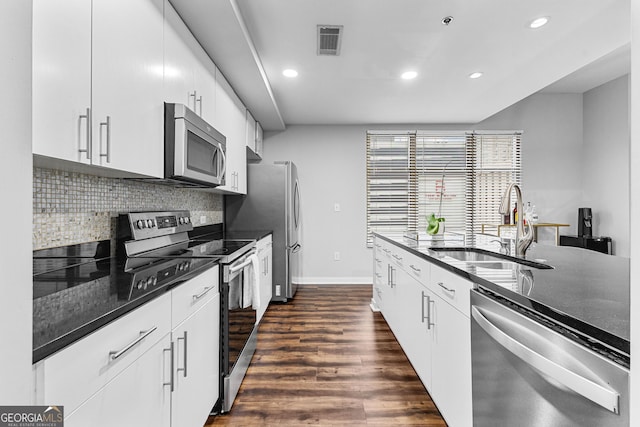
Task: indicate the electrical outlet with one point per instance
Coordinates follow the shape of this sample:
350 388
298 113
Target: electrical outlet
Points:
336 256
203 219
336 207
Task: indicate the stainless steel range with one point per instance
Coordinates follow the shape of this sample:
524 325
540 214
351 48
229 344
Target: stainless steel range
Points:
145 236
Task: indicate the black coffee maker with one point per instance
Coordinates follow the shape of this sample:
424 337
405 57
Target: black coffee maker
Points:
585 227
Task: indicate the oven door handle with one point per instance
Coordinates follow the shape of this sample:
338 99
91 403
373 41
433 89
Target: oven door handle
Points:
237 267
592 389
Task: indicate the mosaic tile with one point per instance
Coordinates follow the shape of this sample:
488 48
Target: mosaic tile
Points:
70 207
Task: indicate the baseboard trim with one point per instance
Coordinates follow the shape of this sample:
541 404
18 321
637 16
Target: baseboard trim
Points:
334 281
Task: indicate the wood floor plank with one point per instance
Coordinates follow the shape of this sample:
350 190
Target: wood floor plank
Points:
325 359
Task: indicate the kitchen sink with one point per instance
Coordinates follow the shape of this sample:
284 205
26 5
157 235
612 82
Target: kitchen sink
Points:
487 259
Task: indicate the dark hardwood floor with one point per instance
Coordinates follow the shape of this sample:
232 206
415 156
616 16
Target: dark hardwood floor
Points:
326 359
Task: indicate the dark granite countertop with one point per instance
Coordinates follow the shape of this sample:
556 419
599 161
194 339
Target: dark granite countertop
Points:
73 297
247 234
586 291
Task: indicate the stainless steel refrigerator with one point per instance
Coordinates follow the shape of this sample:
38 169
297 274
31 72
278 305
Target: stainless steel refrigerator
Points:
272 203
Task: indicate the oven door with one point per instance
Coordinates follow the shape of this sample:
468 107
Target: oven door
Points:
198 150
241 316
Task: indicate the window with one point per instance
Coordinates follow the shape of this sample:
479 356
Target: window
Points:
457 175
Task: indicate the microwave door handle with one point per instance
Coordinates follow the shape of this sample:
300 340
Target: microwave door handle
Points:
224 162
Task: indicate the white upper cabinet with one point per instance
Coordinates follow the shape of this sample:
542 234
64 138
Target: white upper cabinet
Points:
62 78
127 74
189 73
97 83
231 122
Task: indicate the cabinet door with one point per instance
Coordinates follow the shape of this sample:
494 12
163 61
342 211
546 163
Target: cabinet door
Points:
179 59
414 324
231 122
451 384
138 397
251 132
189 73
127 75
61 78
265 255
205 73
196 365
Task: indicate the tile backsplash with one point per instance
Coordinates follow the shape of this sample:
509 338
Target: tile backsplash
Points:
70 207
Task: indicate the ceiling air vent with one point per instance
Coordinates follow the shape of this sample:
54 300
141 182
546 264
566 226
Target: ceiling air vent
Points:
329 39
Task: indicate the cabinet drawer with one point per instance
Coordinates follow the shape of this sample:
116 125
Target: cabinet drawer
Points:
452 288
190 296
417 267
73 374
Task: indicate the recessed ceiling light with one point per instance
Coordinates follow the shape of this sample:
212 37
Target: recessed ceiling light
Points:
475 75
539 22
408 75
289 72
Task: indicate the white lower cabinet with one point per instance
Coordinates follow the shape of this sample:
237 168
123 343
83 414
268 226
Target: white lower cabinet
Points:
413 325
196 372
264 249
451 376
424 306
135 398
156 366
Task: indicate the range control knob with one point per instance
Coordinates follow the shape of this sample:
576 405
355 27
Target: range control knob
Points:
181 220
149 223
187 220
141 224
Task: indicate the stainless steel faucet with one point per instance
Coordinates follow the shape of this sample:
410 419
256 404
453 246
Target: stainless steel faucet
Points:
523 240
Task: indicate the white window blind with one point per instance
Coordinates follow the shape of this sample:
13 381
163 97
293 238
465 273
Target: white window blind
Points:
456 175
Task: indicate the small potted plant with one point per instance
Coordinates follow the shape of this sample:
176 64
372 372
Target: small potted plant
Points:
433 222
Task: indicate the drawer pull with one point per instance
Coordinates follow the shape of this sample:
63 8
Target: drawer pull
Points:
453 291
203 293
113 355
417 270
386 250
399 258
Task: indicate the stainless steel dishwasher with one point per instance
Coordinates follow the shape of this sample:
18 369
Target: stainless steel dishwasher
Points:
528 371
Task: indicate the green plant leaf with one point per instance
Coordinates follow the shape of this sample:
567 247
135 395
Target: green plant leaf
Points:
433 224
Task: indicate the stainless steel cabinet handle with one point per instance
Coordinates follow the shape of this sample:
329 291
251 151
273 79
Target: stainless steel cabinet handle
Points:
393 277
184 364
399 258
417 270
194 95
170 350
453 291
378 260
386 250
89 149
113 355
200 101
106 123
203 293
389 275
428 316
378 245
588 388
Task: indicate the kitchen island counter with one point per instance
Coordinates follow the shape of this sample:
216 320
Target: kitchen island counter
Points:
586 291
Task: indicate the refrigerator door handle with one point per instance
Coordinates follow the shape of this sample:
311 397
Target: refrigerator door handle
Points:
588 388
295 248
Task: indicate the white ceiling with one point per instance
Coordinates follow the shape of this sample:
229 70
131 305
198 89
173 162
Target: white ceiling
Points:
586 43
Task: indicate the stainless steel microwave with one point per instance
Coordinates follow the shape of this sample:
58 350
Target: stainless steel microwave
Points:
194 152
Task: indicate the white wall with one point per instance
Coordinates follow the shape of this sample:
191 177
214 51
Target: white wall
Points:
331 167
16 286
605 172
551 155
